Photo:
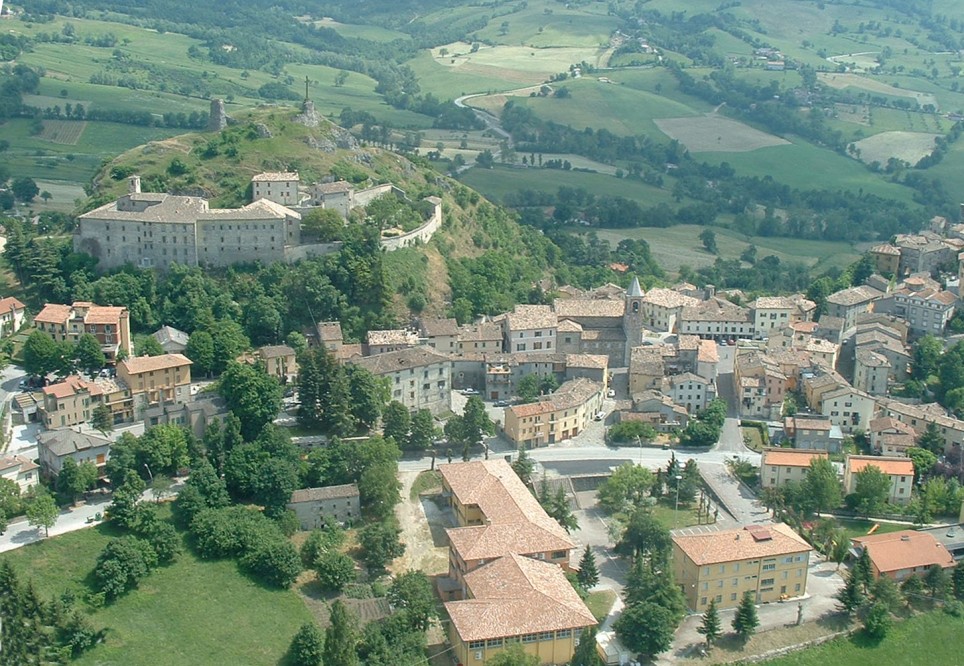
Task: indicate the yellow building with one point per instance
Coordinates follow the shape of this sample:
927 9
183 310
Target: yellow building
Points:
516 599
779 466
156 380
497 516
899 470
770 561
507 562
557 417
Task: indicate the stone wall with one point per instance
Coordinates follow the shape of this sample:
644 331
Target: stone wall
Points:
422 234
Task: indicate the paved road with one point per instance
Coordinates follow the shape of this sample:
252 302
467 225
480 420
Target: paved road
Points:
20 534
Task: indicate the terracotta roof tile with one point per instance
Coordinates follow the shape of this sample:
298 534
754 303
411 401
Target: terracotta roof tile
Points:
138 364
792 457
889 466
740 544
905 549
515 596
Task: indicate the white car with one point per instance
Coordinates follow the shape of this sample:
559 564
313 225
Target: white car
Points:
469 391
611 393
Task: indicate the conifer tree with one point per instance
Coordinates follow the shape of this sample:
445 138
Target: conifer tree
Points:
710 626
588 571
746 621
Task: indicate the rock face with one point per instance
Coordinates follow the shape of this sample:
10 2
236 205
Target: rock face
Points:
308 116
218 119
343 138
262 130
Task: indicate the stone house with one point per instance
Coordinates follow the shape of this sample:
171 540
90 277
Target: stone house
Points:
316 507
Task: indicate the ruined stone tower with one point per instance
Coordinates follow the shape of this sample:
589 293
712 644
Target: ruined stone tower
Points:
218 119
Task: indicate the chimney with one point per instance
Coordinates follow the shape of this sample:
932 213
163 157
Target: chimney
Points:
134 185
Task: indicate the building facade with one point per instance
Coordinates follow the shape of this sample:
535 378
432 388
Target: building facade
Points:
769 561
558 417
780 466
152 230
281 188
109 324
899 470
317 507
419 377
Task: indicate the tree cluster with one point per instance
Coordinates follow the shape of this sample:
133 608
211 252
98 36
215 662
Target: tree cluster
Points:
35 630
339 399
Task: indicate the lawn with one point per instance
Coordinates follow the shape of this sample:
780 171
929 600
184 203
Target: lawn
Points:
666 514
623 110
192 612
752 438
855 527
600 603
427 482
805 166
932 638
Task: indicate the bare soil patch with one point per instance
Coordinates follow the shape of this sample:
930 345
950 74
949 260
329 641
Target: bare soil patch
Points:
716 134
423 532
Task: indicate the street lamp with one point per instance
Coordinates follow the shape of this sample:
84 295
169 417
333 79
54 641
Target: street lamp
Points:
149 473
679 477
639 443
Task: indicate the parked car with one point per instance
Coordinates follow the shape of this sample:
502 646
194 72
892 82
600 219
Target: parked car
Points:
469 391
611 393
599 416
501 403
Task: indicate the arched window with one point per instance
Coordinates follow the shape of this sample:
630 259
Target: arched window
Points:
635 306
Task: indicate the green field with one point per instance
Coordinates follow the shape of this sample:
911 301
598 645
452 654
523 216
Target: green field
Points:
680 245
805 166
930 638
191 612
620 109
497 182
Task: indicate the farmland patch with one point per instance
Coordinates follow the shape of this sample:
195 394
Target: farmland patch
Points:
716 134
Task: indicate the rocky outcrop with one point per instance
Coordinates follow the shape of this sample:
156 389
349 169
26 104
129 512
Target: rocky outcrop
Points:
262 130
309 116
218 119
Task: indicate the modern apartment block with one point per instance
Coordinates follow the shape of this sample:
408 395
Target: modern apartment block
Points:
769 561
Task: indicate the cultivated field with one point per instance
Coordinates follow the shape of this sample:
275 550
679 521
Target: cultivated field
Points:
521 64
66 132
907 146
681 246
842 81
717 134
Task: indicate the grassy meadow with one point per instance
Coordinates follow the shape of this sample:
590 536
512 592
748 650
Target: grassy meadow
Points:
191 612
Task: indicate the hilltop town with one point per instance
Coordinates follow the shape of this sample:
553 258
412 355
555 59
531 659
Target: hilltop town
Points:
822 403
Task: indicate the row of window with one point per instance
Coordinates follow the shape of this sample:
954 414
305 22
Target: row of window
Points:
525 638
734 595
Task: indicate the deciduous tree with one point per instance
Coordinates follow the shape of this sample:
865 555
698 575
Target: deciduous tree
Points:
42 511
252 395
396 422
308 646
646 628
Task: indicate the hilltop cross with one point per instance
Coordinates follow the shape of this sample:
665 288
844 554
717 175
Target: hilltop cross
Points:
306 88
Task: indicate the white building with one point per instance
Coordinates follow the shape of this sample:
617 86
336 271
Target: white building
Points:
281 188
